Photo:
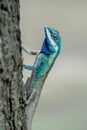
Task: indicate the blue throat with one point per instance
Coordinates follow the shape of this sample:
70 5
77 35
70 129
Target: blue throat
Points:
46 48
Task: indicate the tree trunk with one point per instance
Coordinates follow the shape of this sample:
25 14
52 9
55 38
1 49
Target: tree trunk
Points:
12 111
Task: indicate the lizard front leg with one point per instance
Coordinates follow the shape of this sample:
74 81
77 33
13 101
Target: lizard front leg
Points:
29 51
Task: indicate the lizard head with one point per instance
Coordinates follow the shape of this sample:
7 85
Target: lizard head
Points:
53 39
52 42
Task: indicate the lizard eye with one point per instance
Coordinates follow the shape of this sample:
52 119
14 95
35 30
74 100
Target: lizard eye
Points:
53 37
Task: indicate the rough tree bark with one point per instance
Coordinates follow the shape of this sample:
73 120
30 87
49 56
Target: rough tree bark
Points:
11 109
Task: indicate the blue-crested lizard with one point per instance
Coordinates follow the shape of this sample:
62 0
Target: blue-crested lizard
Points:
45 59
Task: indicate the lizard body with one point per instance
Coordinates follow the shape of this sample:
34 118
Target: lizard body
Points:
45 59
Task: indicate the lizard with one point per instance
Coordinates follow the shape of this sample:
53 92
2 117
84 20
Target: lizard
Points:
45 59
